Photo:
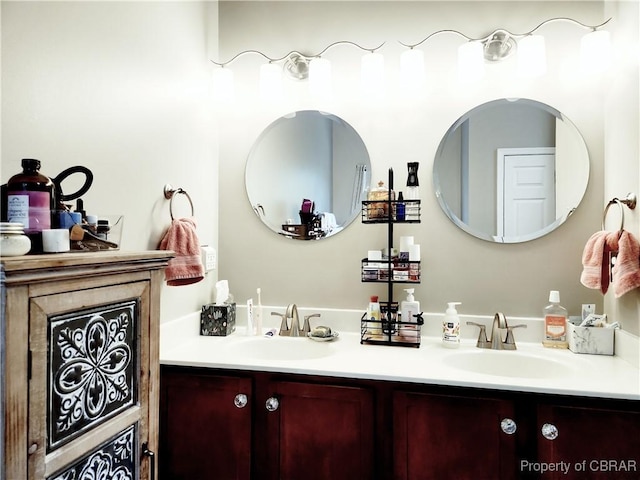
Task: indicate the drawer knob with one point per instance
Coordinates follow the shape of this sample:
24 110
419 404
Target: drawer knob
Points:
240 400
508 426
549 431
272 404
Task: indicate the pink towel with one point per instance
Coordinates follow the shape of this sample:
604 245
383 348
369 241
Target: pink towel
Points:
626 272
595 273
186 267
596 257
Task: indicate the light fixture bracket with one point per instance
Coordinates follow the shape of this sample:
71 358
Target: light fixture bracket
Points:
296 66
499 45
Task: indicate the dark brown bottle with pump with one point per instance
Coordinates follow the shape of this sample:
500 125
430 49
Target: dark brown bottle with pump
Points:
30 201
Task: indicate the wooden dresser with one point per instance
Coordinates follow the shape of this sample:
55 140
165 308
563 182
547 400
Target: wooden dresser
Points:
81 373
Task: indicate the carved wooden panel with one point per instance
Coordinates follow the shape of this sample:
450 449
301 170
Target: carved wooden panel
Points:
93 365
115 460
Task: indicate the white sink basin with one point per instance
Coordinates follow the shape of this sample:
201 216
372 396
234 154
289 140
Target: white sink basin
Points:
508 363
283 348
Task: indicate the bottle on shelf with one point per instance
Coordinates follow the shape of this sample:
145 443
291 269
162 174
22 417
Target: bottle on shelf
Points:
373 316
31 201
409 312
412 210
400 208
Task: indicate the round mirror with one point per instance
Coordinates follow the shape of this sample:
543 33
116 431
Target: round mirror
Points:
511 170
307 174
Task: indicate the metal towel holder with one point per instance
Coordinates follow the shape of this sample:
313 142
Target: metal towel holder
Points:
170 193
630 201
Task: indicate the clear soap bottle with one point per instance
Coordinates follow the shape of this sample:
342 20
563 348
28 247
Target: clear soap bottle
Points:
555 322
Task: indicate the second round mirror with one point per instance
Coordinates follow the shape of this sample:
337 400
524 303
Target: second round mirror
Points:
510 171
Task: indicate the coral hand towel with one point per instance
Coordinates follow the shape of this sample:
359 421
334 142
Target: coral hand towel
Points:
186 267
626 271
595 268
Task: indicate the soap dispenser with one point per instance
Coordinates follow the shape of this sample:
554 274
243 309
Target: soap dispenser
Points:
409 315
409 308
451 326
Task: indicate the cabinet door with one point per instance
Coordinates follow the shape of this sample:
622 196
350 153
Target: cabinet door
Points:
589 443
449 437
89 386
205 426
319 432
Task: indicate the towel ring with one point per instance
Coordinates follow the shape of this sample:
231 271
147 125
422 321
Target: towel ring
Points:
630 201
170 193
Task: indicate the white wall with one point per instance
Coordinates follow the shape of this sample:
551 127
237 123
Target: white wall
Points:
122 88
455 266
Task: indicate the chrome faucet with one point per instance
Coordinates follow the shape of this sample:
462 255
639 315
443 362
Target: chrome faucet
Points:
290 313
294 329
495 341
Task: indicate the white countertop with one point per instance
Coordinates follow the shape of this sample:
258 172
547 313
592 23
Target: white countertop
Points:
566 373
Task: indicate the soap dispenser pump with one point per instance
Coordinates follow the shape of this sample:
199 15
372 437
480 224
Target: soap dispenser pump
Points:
451 326
409 308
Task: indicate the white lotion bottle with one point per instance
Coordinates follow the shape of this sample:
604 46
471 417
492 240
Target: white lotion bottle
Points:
451 326
409 308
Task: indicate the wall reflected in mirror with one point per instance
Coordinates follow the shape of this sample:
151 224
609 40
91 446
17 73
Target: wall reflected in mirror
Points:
307 174
511 170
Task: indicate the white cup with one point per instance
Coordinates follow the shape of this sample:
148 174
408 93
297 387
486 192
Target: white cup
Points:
55 240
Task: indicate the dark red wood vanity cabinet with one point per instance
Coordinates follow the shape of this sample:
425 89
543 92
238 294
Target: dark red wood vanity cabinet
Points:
450 436
206 426
223 426
593 442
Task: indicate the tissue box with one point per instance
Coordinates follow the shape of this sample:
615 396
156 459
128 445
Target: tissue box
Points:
593 340
218 320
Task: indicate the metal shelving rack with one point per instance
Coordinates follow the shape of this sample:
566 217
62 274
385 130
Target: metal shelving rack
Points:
390 329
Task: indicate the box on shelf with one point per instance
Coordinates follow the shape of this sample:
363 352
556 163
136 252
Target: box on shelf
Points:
592 340
218 320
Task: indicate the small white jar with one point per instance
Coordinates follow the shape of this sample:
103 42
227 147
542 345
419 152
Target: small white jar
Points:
14 244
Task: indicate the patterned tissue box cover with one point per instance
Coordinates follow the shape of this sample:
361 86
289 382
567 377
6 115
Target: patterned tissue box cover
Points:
218 320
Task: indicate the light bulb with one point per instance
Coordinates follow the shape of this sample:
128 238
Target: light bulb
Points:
270 82
532 56
320 77
471 61
595 51
223 85
412 69
372 75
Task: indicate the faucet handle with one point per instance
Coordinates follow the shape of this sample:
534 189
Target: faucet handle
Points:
284 329
509 341
482 335
306 327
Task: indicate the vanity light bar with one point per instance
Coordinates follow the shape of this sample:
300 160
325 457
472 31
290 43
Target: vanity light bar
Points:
300 66
500 44
472 56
